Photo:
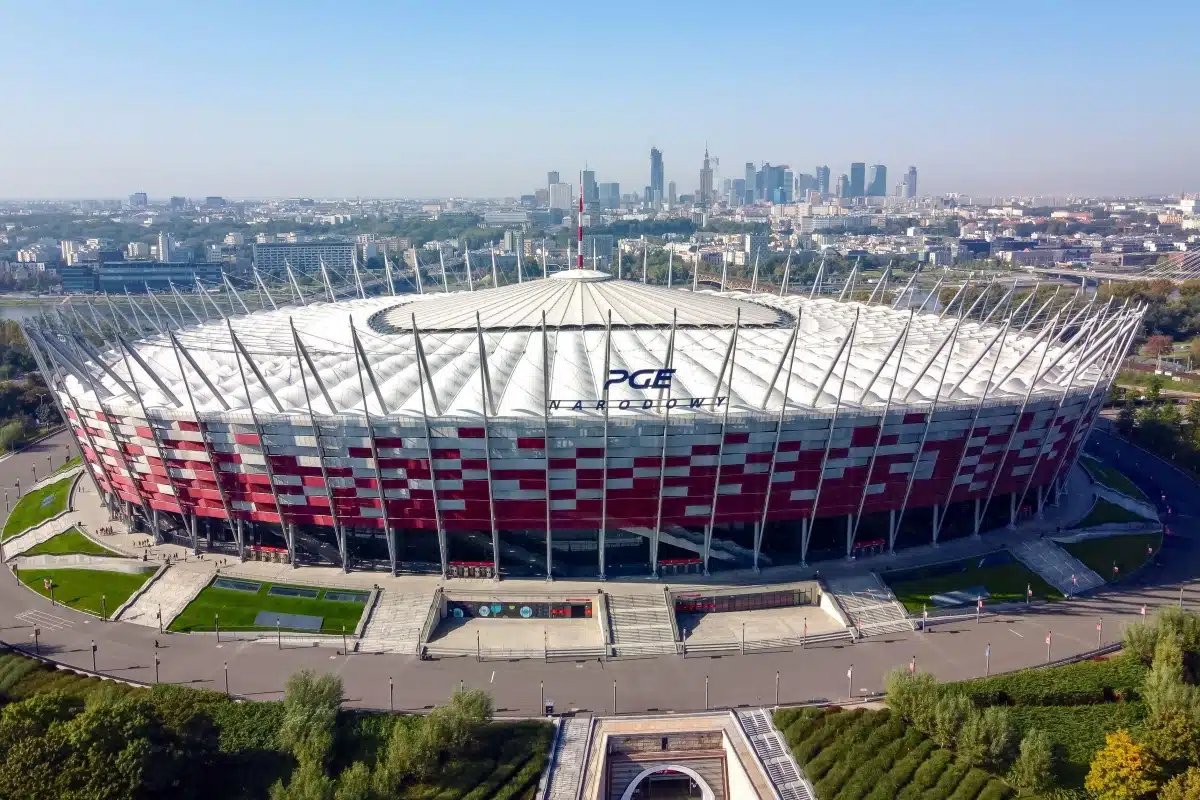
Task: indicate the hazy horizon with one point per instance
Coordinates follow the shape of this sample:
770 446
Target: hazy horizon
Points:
383 100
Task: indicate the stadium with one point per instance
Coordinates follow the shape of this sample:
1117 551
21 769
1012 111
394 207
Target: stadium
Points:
579 425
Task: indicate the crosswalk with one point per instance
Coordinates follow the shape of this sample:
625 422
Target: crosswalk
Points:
43 619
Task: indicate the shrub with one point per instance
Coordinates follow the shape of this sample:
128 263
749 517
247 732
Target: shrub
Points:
851 759
995 790
1121 770
927 775
867 776
909 694
902 772
1070 685
1033 771
1184 786
986 737
949 781
971 784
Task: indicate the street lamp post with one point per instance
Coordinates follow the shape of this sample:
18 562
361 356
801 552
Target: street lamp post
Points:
217 625
345 649
37 649
1100 633
104 607
94 656
541 696
614 697
987 660
777 689
706 693
227 679
156 667
850 682
391 694
1049 636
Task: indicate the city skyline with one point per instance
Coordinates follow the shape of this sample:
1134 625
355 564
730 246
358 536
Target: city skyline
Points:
993 119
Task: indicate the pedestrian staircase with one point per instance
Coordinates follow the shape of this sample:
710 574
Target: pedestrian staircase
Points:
641 625
395 623
35 536
570 756
171 592
773 752
869 605
1057 567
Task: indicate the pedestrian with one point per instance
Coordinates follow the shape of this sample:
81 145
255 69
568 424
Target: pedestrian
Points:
156 644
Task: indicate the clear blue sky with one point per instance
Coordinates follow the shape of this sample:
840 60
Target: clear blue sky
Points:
481 98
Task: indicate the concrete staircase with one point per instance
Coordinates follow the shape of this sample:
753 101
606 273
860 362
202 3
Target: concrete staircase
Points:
570 756
396 622
869 605
171 592
1056 566
773 752
35 536
641 625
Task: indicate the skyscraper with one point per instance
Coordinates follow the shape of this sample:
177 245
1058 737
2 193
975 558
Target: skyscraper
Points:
877 181
843 186
823 179
751 180
706 181
590 193
656 175
858 179
910 183
610 195
561 196
138 200
672 194
551 179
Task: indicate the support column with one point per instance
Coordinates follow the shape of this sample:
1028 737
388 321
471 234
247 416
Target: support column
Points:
668 362
936 526
603 532
302 357
975 515
758 533
849 535
422 376
192 531
1012 511
805 534
731 358
546 446
891 530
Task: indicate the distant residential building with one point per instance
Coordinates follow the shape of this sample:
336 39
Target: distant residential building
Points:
179 203
561 195
514 241
506 217
598 249
877 181
135 250
858 179
754 244
542 197
656 175
165 247
138 200
235 239
68 249
304 257
214 201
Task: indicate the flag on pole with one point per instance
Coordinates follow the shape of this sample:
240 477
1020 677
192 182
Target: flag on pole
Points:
1099 626
1047 638
1143 611
979 603
850 672
988 651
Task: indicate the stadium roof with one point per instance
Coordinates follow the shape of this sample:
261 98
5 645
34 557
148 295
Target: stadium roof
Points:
443 355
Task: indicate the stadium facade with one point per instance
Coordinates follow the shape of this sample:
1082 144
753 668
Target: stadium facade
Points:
580 425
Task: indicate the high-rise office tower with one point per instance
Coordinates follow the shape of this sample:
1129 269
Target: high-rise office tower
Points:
751 181
610 195
590 193
910 183
672 194
656 175
738 193
551 179
706 181
138 200
823 179
858 179
877 181
843 186
561 196
164 246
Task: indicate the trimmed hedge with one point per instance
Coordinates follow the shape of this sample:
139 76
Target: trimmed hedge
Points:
927 775
1082 683
948 783
867 777
902 772
971 785
1078 732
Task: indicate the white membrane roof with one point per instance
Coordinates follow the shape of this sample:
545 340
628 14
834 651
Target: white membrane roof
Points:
574 350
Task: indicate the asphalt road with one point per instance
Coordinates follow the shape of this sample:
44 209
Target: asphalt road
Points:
668 683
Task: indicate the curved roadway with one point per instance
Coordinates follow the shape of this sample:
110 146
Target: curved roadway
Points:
668 683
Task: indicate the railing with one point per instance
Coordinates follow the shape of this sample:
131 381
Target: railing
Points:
432 617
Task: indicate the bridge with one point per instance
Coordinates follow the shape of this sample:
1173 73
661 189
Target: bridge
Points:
1176 267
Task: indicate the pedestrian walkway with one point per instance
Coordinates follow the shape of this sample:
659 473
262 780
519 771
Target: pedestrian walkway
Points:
870 606
773 752
641 625
570 754
169 594
37 535
83 561
1057 567
396 622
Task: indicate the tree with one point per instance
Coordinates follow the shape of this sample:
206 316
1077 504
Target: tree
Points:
1033 771
354 783
1126 418
1122 769
951 712
1185 786
310 703
1158 346
985 739
912 696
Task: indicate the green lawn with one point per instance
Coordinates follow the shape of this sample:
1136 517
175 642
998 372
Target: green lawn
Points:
38 506
1105 512
82 589
74 462
1129 552
1005 582
1110 477
70 542
237 609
